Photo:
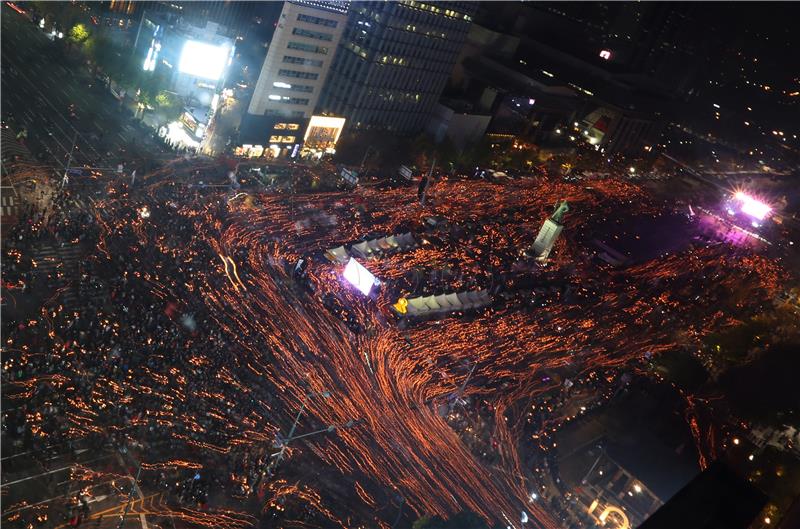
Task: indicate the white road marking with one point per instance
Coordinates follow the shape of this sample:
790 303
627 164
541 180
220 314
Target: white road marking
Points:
37 476
52 471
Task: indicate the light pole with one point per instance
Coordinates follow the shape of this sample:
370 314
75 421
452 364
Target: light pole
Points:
134 485
463 386
279 456
65 180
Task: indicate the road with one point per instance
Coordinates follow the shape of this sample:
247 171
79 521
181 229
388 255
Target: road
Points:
39 484
39 83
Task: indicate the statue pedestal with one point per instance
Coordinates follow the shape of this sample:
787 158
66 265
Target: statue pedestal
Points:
547 237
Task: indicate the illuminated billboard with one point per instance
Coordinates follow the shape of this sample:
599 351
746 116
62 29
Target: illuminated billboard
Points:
323 132
204 60
359 277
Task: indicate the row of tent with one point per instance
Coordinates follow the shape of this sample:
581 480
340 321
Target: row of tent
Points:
372 248
443 303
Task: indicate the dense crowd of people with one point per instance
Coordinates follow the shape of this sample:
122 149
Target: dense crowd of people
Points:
109 373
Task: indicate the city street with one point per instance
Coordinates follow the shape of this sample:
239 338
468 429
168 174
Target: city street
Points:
40 83
259 343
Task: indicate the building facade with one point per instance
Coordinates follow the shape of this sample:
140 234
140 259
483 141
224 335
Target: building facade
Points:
233 17
191 62
298 59
393 63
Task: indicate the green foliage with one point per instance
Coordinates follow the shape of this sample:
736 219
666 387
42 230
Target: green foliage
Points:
65 13
422 523
78 34
104 53
168 104
681 368
733 343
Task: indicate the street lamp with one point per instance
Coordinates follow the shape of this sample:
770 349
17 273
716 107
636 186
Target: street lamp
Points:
285 443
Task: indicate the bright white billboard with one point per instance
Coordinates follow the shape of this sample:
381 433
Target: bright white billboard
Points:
359 277
204 60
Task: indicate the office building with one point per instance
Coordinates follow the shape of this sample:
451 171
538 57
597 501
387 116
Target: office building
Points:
393 62
293 74
193 62
298 60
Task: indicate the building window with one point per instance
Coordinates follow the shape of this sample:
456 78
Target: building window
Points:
307 47
288 100
298 75
318 21
294 87
298 113
312 34
299 60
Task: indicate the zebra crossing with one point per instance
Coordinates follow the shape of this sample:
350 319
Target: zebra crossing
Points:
62 263
9 204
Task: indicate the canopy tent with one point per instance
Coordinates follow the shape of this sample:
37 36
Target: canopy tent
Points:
361 249
406 241
372 247
337 255
446 303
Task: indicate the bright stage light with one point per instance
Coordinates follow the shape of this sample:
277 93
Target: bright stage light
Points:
359 277
751 206
204 60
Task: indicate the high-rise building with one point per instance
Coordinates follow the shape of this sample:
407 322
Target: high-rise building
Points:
653 40
233 17
298 59
279 116
393 63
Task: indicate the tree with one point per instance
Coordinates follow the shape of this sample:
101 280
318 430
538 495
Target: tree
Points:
446 154
103 53
477 155
78 34
169 104
421 151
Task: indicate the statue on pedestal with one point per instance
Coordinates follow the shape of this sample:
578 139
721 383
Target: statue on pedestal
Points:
560 209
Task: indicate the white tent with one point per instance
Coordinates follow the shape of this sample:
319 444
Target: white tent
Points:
406 241
383 244
361 249
430 302
454 302
444 303
337 255
465 300
418 304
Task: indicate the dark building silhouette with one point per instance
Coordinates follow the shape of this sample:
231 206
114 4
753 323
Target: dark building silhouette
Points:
393 62
716 499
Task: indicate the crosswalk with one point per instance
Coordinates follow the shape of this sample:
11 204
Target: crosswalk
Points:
63 264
